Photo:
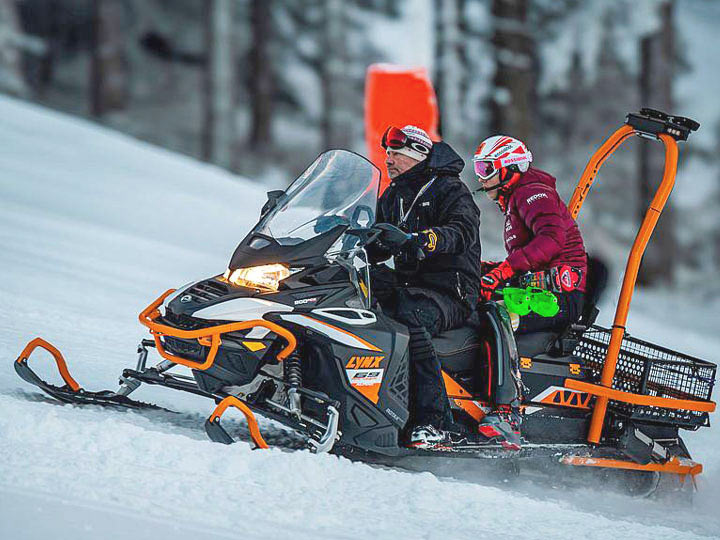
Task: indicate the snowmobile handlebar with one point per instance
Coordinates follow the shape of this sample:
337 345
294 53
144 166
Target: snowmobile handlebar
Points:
366 235
208 337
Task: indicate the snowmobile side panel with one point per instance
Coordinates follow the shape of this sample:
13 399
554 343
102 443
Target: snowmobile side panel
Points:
372 387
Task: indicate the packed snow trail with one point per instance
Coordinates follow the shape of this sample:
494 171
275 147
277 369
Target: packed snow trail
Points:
93 226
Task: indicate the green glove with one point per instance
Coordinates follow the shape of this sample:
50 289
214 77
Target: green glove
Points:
523 301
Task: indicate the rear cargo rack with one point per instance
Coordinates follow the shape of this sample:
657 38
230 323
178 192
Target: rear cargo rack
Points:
650 370
652 374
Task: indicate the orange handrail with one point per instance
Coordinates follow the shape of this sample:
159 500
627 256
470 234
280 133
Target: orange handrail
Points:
148 316
57 355
593 166
633 263
639 399
232 401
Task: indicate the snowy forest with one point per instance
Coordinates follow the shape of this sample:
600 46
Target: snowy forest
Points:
260 87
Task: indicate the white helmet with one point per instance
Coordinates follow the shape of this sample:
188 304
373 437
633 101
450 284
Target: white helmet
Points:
502 153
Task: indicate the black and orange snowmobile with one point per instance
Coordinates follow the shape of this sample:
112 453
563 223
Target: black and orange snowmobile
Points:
291 332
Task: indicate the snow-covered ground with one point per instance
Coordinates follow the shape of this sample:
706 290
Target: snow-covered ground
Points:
93 226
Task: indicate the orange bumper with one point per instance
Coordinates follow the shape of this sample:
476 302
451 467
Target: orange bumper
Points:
209 337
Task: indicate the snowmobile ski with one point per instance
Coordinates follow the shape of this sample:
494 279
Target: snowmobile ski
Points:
71 391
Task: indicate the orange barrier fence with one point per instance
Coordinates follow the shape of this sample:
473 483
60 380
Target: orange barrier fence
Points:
397 96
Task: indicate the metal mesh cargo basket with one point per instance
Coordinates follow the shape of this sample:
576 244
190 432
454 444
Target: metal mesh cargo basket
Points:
644 368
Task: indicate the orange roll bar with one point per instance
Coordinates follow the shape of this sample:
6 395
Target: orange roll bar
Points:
232 401
205 336
57 355
593 166
639 399
633 263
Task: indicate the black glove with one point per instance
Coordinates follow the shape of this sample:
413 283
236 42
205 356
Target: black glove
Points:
392 238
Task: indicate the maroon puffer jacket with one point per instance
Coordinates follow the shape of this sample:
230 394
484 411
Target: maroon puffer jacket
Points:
539 231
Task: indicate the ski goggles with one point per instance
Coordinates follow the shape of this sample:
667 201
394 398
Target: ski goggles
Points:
485 169
396 139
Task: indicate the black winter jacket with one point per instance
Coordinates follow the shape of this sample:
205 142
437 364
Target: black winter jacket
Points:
447 208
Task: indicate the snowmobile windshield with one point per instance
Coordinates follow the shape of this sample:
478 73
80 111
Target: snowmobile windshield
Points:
339 188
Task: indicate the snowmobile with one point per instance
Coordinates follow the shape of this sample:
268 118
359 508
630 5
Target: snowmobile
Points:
290 331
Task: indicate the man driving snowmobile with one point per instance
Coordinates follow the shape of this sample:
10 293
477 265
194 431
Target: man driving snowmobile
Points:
429 222
543 242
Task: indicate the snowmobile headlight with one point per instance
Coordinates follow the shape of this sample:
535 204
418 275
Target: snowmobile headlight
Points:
267 276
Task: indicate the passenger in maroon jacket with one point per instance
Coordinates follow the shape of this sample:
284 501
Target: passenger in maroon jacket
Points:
543 242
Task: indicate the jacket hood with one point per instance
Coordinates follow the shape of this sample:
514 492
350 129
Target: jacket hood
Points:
443 160
536 176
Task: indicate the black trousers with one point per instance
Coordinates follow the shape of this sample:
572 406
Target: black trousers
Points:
571 306
426 313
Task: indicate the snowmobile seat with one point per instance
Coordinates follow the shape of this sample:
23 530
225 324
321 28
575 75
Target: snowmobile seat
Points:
458 349
536 343
563 343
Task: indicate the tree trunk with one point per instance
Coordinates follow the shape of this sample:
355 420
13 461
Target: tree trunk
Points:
656 78
447 66
513 103
12 80
218 129
109 89
262 81
336 121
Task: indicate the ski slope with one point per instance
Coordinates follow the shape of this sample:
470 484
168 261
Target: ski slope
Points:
93 226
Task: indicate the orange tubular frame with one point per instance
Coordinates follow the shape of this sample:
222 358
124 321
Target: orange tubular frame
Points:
604 391
205 336
593 166
57 355
674 466
232 401
639 399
